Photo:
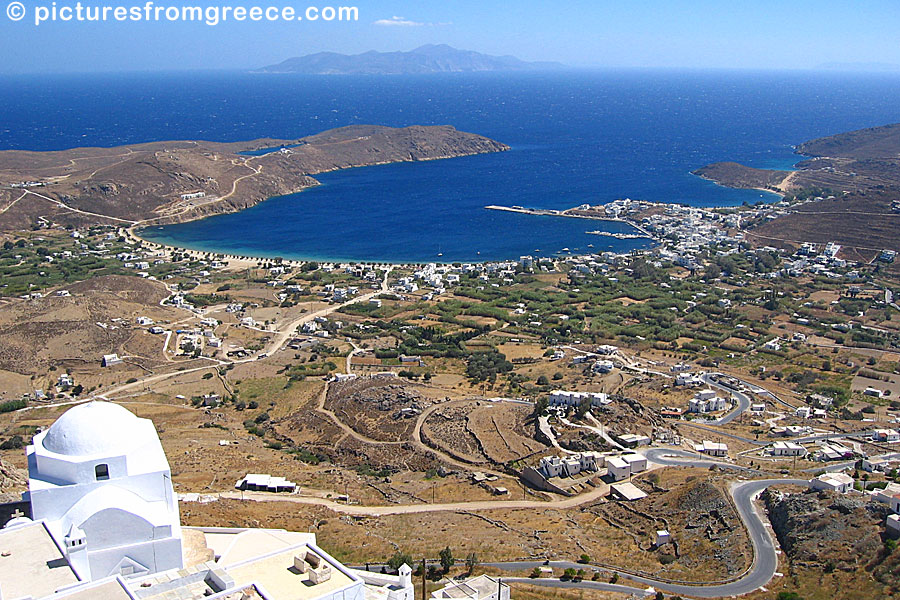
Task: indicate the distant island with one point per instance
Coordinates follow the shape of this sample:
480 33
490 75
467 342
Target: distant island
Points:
169 182
430 58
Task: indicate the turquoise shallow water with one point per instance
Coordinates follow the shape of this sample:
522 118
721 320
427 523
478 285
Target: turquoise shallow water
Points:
576 136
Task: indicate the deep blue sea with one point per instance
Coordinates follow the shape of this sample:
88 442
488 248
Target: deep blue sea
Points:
577 137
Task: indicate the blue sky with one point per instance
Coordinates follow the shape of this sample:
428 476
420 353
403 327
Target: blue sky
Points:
759 34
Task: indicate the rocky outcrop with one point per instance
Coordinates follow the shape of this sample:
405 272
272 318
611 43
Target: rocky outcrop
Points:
824 530
12 482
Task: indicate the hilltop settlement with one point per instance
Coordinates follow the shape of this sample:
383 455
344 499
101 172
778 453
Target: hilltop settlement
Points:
718 415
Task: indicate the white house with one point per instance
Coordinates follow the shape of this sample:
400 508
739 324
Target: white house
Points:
887 494
633 440
603 366
688 380
788 449
109 360
571 465
626 465
706 401
711 448
886 435
833 482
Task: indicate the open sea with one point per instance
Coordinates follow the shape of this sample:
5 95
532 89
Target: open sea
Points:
577 137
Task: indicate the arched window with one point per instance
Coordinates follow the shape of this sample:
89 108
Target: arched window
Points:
102 472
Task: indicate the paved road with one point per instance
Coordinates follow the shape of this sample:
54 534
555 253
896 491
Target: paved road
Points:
765 558
683 458
589 585
742 398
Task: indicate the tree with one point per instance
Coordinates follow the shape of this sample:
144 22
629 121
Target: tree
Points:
660 596
542 380
472 562
568 574
584 559
788 596
398 560
535 573
447 560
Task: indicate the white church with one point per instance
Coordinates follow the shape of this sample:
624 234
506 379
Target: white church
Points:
104 525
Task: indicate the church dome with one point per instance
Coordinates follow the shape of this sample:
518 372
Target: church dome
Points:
96 428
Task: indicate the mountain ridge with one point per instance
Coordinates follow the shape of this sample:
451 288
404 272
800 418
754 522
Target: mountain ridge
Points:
430 58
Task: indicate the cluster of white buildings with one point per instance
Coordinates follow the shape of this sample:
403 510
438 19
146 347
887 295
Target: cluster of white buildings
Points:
565 398
570 465
831 451
706 401
618 466
805 412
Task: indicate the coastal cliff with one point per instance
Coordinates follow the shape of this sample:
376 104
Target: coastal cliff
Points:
170 182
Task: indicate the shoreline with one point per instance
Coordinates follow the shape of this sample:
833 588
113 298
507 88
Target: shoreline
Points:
249 261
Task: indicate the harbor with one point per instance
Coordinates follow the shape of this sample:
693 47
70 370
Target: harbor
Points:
581 213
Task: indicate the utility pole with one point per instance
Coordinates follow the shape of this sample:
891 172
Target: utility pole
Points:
424 582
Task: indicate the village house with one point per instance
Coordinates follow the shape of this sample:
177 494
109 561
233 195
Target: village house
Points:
624 466
110 360
788 449
571 465
706 401
711 448
886 435
564 398
688 380
832 482
633 440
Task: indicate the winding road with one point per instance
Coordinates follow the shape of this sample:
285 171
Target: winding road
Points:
763 569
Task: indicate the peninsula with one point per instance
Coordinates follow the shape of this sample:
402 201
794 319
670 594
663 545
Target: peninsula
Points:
851 161
847 191
169 182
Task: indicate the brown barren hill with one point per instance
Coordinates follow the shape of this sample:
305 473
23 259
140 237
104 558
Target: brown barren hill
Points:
852 180
164 182
737 175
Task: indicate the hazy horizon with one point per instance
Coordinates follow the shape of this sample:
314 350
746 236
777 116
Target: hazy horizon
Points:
702 34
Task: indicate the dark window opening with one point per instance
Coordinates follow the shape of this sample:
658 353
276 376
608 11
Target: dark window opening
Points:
102 472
